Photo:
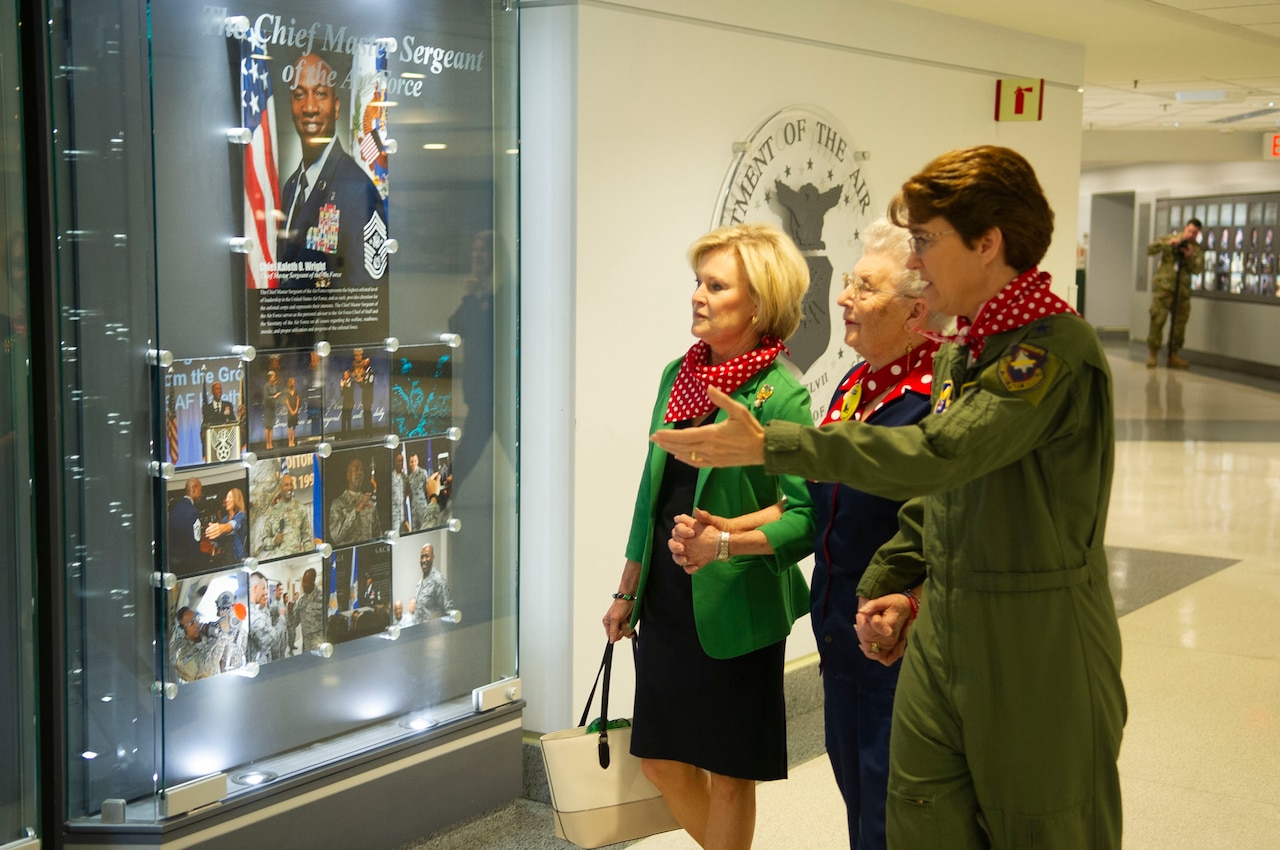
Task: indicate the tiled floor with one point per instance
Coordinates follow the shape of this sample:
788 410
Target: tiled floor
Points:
1194 544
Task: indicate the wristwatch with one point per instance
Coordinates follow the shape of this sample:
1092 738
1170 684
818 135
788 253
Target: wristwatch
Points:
722 548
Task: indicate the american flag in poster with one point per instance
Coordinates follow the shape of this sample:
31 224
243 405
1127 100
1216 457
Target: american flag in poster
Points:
261 180
333 584
171 428
354 590
369 118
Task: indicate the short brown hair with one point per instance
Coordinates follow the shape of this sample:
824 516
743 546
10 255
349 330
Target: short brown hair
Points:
976 189
777 273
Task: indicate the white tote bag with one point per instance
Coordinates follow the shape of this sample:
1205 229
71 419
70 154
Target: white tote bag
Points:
598 794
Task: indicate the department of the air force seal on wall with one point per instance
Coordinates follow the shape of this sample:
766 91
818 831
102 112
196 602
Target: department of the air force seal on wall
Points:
801 171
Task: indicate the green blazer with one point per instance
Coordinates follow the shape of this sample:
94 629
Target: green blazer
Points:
749 601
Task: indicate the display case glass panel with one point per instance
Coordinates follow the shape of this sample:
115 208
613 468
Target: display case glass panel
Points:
1238 240
288 323
19 814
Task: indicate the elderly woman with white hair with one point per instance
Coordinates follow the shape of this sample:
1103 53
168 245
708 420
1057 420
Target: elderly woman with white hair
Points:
884 310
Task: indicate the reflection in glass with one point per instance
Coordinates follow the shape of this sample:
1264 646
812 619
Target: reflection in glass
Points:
18 806
283 578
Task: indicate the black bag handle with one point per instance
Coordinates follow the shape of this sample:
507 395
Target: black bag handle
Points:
606 668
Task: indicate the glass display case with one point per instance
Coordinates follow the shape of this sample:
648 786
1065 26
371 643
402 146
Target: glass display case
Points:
19 811
1238 238
285 253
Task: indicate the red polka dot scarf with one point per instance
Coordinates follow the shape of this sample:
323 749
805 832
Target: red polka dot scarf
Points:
689 398
1023 300
912 372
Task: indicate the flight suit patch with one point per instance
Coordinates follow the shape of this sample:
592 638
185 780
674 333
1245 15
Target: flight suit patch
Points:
944 397
1022 368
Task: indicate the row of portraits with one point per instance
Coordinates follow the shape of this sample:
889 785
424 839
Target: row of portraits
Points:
1237 272
234 620
217 408
285 506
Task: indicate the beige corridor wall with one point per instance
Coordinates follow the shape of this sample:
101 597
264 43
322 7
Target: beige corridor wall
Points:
661 91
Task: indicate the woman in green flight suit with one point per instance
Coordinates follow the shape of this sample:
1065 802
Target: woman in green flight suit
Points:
1010 707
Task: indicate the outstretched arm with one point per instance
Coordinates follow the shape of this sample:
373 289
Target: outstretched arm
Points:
737 441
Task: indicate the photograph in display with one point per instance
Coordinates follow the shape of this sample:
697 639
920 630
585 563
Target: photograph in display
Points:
282 118
318 267
1267 262
268 620
355 398
355 512
422 391
428 483
359 592
306 606
283 490
286 609
209 616
286 393
207 518
422 593
204 411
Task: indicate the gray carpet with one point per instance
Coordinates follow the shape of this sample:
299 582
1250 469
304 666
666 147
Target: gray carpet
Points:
1141 576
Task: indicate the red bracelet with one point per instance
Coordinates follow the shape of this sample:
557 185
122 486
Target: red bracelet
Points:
915 603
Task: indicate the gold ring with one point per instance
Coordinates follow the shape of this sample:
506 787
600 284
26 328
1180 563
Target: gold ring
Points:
693 456
875 647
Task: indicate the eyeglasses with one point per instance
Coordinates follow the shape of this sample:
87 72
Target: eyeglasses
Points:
862 290
920 241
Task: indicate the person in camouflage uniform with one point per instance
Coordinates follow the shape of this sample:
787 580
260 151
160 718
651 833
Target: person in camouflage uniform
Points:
1180 257
285 528
194 653
234 630
432 599
266 627
308 611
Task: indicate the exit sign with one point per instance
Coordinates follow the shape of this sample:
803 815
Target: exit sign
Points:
1271 145
1019 99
